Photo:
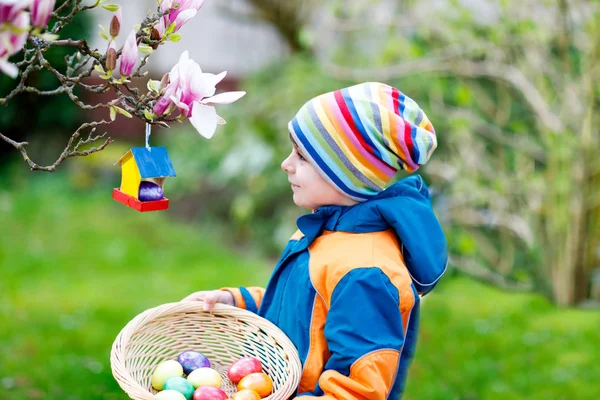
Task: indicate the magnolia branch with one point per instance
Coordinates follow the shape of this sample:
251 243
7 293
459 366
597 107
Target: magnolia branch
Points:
62 21
70 150
81 65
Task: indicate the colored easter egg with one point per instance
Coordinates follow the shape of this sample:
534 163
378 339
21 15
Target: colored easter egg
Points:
164 371
205 377
246 394
242 367
259 382
169 395
191 360
150 191
180 385
209 393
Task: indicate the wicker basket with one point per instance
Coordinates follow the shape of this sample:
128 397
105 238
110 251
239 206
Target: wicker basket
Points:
224 335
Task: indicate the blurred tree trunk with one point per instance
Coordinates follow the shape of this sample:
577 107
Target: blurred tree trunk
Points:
573 247
288 17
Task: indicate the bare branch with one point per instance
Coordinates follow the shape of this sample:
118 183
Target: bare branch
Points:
68 151
80 44
496 134
463 68
142 64
476 270
496 219
20 87
63 6
58 90
62 21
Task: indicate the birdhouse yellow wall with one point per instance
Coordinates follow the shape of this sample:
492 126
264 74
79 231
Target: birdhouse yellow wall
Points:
130 176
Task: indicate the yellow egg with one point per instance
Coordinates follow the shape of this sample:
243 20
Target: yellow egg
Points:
169 395
164 371
204 377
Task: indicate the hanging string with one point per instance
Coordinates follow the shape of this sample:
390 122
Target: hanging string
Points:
148 129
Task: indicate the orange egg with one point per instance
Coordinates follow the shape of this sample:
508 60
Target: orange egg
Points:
246 394
259 382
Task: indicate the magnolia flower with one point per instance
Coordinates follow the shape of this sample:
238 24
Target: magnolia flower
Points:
13 36
181 12
41 11
129 55
10 9
115 23
192 92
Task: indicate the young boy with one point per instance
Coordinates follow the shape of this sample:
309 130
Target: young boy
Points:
347 287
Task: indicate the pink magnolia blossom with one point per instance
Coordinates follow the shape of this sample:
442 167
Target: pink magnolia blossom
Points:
10 9
181 12
192 92
129 55
13 36
41 11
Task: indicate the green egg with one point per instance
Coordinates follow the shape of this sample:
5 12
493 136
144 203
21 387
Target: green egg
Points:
180 385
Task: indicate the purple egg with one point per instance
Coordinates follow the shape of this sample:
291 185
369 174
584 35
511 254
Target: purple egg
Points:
150 191
191 360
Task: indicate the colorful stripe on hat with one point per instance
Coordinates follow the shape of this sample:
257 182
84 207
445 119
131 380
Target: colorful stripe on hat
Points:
359 137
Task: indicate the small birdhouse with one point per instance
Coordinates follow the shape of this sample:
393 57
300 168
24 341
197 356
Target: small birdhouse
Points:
143 174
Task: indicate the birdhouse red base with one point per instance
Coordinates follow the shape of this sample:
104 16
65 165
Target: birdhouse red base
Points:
141 206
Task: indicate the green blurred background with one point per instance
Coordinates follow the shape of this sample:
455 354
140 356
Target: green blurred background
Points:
512 90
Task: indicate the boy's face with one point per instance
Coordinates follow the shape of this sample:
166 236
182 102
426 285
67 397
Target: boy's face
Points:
310 189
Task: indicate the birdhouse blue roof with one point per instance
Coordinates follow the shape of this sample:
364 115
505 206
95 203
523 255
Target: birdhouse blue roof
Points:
153 163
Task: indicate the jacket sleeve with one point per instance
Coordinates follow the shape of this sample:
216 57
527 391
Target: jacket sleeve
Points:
365 335
248 298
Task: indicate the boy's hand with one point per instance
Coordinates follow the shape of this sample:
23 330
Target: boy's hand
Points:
211 297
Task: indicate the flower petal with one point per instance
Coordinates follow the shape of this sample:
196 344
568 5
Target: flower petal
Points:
11 8
11 43
129 55
165 5
184 57
195 84
40 12
224 98
204 119
184 108
160 26
163 103
184 17
9 69
213 79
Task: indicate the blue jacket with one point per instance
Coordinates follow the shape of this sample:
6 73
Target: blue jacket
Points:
346 291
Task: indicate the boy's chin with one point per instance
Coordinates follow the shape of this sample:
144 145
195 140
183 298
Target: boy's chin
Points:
302 203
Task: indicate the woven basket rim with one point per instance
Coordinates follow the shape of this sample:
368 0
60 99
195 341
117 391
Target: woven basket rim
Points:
136 391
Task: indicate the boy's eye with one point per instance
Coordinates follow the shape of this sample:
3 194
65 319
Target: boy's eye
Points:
299 154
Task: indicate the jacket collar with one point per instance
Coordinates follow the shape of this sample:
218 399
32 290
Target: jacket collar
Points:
404 207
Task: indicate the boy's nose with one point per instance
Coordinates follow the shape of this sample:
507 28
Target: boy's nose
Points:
286 165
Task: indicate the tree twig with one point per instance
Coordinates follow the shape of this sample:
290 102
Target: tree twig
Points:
480 272
68 150
463 68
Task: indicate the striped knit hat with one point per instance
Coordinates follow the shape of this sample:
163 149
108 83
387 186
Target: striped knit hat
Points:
359 137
